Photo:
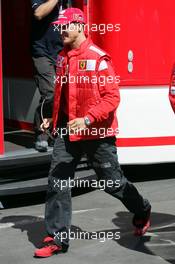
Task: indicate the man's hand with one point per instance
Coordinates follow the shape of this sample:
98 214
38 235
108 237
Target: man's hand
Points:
76 124
46 124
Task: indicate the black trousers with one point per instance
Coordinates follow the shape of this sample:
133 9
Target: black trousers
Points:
102 154
44 79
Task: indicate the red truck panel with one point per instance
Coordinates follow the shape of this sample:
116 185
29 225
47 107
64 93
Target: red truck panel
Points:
147 28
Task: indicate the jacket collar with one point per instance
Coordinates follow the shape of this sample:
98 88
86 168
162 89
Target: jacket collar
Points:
81 49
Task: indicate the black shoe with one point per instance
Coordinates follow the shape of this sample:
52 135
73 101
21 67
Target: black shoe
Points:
41 142
41 146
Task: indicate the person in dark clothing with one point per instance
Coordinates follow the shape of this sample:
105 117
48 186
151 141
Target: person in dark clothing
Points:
46 44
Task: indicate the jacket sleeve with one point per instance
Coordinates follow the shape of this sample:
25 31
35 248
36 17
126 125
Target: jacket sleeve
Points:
109 92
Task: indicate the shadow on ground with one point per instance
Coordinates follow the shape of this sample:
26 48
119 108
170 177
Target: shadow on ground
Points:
159 241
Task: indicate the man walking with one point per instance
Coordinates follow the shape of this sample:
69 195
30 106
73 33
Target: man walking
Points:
84 119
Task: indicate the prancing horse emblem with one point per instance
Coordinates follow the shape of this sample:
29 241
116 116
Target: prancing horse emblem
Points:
82 65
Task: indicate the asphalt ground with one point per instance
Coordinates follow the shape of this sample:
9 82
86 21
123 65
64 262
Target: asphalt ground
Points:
22 228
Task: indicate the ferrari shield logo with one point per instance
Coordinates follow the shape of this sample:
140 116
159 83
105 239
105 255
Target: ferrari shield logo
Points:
82 65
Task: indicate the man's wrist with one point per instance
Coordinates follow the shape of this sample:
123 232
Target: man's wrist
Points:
87 121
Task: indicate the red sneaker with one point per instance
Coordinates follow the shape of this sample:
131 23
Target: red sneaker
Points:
141 224
48 239
49 249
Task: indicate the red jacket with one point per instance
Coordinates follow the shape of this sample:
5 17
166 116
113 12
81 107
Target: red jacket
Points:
92 90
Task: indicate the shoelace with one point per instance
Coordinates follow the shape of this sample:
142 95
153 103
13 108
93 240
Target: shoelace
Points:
52 245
